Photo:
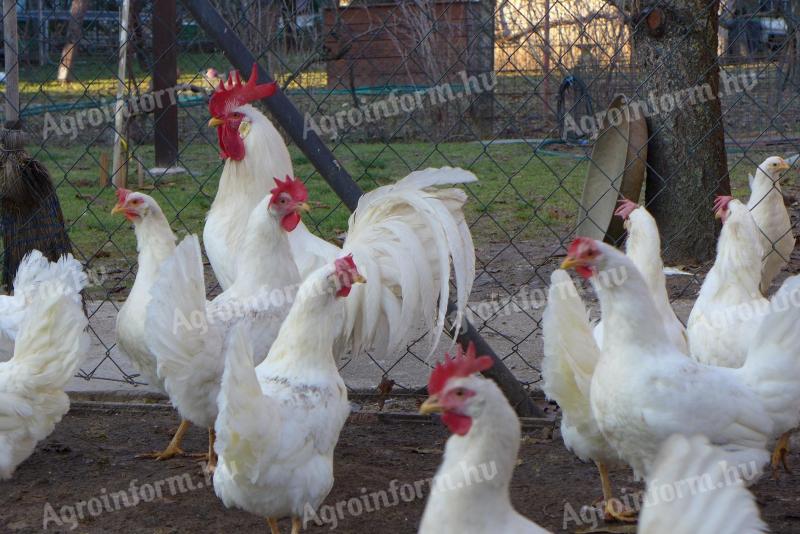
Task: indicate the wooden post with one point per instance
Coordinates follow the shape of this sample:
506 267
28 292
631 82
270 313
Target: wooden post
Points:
120 160
44 36
165 77
546 59
480 61
11 63
103 179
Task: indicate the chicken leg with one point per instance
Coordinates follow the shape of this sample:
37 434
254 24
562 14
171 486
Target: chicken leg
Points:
295 525
174 447
612 507
780 453
273 525
212 455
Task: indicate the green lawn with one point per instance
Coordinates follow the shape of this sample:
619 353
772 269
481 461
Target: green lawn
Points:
520 195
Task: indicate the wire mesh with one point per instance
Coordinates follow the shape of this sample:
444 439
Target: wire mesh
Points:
392 86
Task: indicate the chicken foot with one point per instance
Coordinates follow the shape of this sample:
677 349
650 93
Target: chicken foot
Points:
779 455
174 447
612 508
273 525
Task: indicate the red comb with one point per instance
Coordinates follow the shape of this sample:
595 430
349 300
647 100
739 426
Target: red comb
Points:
721 202
625 208
230 96
295 187
122 194
577 243
346 264
460 366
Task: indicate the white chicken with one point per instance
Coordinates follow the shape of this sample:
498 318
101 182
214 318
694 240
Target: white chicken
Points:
279 422
49 347
155 242
34 270
692 492
570 357
643 390
721 324
470 493
643 247
418 221
187 333
770 214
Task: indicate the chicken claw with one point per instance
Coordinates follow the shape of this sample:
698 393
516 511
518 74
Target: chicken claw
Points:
779 455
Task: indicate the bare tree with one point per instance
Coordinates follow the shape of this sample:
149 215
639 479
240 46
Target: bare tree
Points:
77 13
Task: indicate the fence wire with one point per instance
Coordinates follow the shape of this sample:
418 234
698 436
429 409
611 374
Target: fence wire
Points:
496 87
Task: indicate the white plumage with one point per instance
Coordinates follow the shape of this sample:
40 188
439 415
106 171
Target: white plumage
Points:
404 237
280 421
723 321
643 247
50 345
187 332
470 493
772 218
33 271
692 492
155 242
393 228
643 390
242 185
570 357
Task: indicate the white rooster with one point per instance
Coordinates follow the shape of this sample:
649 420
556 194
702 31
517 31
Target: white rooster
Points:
721 324
50 345
570 357
419 221
34 270
242 131
280 421
187 333
770 214
643 390
470 493
155 242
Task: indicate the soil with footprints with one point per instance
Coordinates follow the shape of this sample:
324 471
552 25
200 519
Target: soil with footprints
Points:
85 465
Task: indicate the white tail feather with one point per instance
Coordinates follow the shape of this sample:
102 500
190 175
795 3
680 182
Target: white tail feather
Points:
403 238
705 497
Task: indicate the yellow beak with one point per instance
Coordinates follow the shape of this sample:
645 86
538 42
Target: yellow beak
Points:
119 208
784 165
359 279
569 263
304 207
718 214
431 405
213 122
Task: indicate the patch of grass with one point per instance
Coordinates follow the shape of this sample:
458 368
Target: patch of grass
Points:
521 195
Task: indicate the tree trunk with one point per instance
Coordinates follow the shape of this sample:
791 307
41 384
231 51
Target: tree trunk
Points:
675 48
74 32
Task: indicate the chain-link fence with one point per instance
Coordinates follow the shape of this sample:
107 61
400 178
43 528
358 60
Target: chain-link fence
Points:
510 90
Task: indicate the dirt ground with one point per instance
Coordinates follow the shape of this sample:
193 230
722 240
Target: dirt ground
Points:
91 455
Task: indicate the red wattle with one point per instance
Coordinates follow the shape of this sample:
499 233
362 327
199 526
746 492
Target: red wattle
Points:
457 423
585 271
231 145
290 221
343 291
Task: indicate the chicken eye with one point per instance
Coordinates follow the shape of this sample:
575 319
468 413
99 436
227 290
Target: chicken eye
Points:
459 392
